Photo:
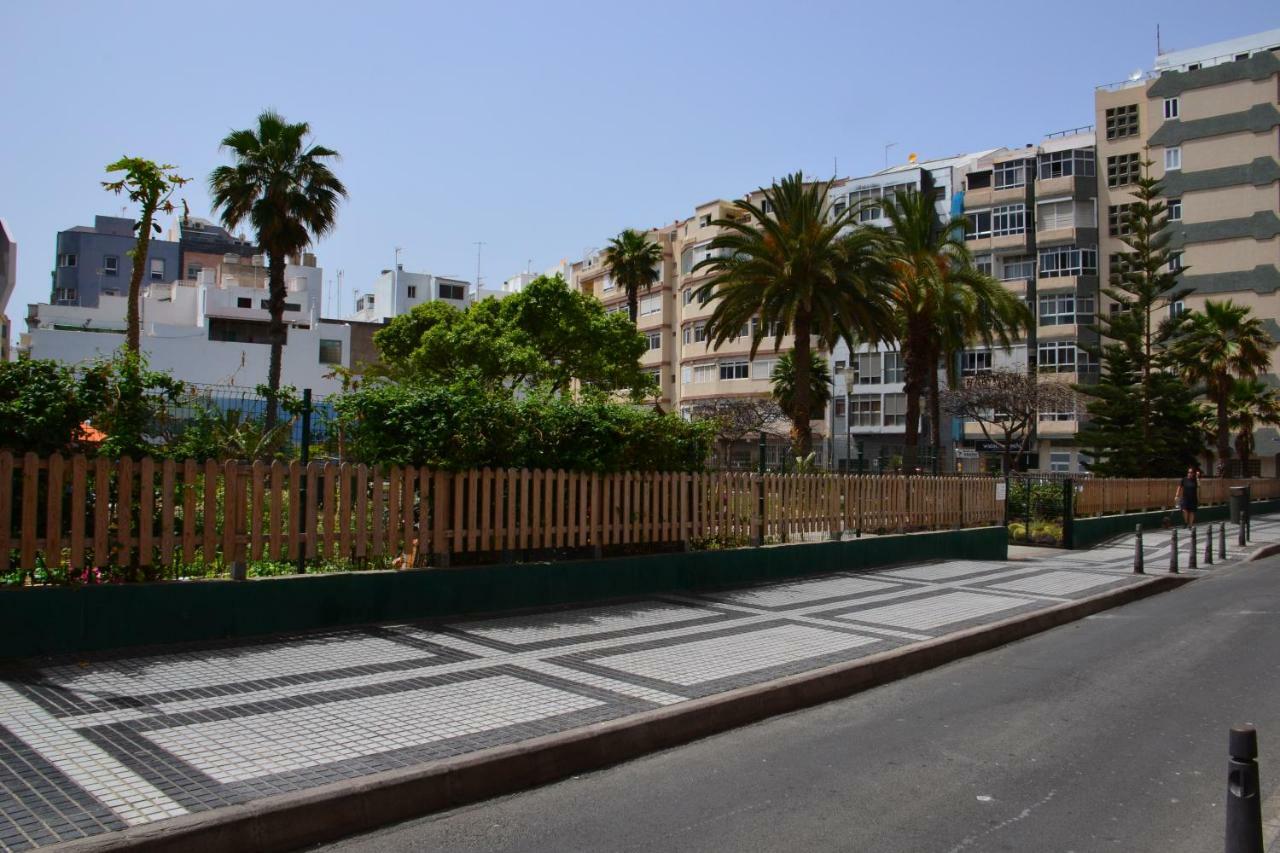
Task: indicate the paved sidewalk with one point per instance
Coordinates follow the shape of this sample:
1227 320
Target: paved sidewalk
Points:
99 745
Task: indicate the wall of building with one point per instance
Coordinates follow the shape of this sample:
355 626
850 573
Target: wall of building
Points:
110 237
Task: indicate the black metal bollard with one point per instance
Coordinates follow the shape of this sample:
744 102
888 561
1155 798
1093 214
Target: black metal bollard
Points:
1244 799
1173 553
1222 541
1137 550
1208 545
1191 558
1240 534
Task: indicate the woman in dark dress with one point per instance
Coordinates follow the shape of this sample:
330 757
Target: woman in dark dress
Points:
1188 496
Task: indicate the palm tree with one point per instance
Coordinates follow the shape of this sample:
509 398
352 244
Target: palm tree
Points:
284 187
1253 404
1213 348
632 259
784 384
941 303
792 271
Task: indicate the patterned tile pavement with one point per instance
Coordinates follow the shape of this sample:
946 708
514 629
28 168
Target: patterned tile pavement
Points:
98 745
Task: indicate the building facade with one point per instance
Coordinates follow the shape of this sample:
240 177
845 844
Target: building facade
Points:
395 292
8 281
92 261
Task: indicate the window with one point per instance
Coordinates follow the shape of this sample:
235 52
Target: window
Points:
157 269
982 263
766 206
1122 121
244 302
1060 461
893 367
655 340
704 372
1115 263
1057 356
65 295
110 265
1062 164
864 410
1014 267
193 271
895 409
67 260
1066 309
1175 261
978 180
699 332
1118 220
839 366
866 368
1170 108
650 305
1173 158
1010 219
288 306
975 363
1177 308
1011 174
1059 261
762 368
330 352
1064 213
979 225
1174 206
704 220
688 295
607 284
1123 169
451 291
734 370
413 291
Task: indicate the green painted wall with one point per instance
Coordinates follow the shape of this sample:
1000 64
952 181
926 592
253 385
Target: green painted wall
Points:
1091 531
66 619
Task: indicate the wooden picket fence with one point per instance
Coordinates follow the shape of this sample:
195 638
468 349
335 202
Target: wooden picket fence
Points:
1107 497
194 518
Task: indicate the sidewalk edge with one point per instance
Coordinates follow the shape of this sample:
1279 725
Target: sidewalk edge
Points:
327 813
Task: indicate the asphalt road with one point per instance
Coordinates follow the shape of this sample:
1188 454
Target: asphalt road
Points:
1107 734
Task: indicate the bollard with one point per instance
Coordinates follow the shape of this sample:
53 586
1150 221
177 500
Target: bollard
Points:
1208 545
1137 550
1173 553
1240 534
1191 557
1244 800
1222 541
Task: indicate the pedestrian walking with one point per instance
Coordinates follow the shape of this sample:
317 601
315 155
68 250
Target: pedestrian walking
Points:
1187 498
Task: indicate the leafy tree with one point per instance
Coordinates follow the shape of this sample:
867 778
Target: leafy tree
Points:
784 385
1252 404
1005 405
1215 347
132 402
152 186
545 335
737 418
794 270
284 187
42 405
632 258
941 303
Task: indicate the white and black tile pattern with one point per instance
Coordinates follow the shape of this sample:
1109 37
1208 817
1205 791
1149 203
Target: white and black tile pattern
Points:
94 746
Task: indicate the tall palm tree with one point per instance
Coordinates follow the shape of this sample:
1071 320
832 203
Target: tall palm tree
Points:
941 303
784 384
795 272
282 184
632 259
1215 347
1253 404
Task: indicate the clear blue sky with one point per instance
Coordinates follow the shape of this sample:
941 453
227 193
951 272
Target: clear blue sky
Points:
541 128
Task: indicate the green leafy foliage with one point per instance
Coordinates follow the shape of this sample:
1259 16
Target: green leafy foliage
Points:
784 384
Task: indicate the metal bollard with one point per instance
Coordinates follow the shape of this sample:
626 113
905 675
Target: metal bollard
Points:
1244 799
1137 550
1208 545
1222 541
1173 553
1191 558
1240 534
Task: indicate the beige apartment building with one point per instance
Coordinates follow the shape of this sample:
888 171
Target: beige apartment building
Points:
1207 119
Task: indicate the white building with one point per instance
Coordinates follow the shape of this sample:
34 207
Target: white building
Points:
8 281
396 292
213 330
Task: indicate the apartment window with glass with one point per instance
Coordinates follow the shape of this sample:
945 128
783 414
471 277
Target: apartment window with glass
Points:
895 409
1177 309
157 269
193 271
1066 309
1174 207
975 362
1060 461
704 220
244 302
1118 220
1057 356
1173 158
866 368
1014 267
734 369
1059 417
894 369
1009 219
762 368
704 372
1123 169
67 260
839 407
1122 121
1170 108
330 352
1064 213
978 180
110 265
1175 261
1010 174
1064 164
650 305
452 291
864 410
1060 261
65 295
983 264
979 225
411 291
655 340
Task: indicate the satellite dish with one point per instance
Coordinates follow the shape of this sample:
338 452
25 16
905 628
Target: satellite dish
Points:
1136 76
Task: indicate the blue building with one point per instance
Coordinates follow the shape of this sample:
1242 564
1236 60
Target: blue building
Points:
95 260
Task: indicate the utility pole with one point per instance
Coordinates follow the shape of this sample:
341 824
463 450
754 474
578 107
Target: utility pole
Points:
479 247
395 285
887 146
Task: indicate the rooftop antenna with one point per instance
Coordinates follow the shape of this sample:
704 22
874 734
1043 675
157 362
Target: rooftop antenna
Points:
886 152
479 247
1159 52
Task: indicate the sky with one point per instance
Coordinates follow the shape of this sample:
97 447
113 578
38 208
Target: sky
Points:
540 128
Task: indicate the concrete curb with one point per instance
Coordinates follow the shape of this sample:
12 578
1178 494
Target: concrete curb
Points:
299 819
1264 552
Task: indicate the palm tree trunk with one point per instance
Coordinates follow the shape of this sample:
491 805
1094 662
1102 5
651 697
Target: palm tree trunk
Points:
935 417
133 322
633 304
276 331
801 429
1224 426
915 365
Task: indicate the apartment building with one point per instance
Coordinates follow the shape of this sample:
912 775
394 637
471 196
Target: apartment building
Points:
397 291
1208 121
94 260
205 245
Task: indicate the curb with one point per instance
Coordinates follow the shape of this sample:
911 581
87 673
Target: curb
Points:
1264 552
329 812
